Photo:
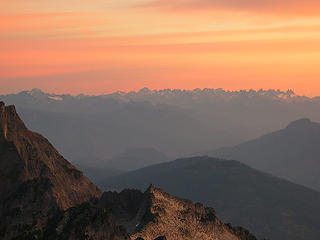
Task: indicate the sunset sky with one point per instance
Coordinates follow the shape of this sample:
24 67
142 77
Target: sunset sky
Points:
101 46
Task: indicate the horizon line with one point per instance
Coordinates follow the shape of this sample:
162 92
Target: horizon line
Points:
288 91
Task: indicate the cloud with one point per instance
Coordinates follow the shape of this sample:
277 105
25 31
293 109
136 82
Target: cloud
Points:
263 6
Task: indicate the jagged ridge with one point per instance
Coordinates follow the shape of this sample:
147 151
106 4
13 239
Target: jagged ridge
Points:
155 213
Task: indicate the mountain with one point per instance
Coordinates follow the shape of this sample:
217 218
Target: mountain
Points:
270 207
155 214
176 122
292 153
84 130
136 158
35 179
43 196
182 97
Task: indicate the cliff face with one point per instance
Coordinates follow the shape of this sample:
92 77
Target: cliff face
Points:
85 221
35 180
156 214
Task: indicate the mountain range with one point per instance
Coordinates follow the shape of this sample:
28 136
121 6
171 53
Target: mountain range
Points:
175 122
99 129
43 196
124 140
270 207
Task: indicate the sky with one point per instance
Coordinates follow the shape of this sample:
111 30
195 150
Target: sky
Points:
102 46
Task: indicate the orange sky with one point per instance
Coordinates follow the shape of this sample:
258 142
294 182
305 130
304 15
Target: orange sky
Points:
101 46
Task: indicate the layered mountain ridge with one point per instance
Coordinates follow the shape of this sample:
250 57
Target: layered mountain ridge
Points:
96 128
42 196
291 153
270 207
167 94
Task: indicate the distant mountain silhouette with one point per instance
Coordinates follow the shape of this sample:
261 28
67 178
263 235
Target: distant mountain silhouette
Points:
83 130
270 207
131 159
136 158
89 129
292 153
43 196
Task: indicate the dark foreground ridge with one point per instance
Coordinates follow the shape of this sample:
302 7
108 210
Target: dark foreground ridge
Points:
155 213
270 207
42 196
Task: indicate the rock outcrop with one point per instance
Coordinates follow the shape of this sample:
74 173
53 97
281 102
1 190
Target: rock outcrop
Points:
158 215
35 180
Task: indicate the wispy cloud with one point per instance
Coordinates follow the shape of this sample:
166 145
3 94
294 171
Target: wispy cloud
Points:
263 6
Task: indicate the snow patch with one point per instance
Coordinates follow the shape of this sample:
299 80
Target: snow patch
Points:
56 98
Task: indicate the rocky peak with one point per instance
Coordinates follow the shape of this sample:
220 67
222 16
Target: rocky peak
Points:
37 93
10 123
38 157
301 123
158 215
34 177
152 189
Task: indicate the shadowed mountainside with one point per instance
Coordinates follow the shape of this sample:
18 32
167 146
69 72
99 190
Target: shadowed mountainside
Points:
292 153
270 207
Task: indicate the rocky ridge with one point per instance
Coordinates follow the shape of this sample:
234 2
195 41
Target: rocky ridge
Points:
35 179
156 214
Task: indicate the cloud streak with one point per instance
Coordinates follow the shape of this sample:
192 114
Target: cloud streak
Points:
263 6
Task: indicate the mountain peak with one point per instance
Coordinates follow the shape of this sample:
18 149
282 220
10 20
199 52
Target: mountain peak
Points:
156 214
151 189
301 123
144 90
36 92
31 168
10 108
11 126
